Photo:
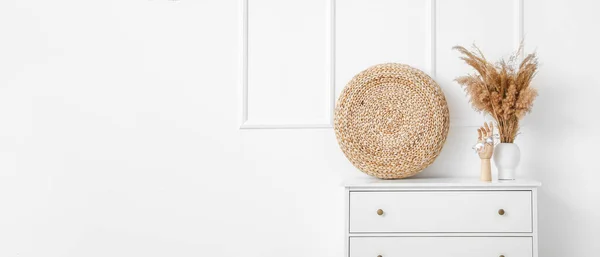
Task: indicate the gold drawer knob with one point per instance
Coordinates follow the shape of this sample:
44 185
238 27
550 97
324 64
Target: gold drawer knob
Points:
382 256
501 212
379 212
501 256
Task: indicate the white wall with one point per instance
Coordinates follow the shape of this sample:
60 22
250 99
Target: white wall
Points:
119 120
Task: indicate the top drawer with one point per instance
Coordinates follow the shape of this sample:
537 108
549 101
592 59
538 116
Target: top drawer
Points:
440 211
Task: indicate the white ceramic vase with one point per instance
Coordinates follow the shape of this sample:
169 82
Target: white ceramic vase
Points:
506 158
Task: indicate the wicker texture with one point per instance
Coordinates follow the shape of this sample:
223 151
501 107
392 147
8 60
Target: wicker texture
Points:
391 121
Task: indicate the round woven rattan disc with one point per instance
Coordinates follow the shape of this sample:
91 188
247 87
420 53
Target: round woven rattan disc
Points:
391 121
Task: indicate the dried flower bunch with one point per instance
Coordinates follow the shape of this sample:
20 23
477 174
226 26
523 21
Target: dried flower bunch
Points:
501 89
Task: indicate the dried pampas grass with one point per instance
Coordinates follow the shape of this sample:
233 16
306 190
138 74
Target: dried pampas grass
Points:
501 89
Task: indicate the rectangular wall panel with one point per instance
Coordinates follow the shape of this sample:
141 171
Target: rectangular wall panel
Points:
289 63
370 32
491 24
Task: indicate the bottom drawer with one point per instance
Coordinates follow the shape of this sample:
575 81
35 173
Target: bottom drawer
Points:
441 246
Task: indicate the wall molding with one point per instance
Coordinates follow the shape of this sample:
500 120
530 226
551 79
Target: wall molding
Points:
432 38
518 29
432 12
244 59
519 24
245 124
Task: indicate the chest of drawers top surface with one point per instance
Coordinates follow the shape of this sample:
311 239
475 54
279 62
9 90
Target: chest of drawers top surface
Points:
439 183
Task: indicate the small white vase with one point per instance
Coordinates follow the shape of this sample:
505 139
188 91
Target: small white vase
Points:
506 158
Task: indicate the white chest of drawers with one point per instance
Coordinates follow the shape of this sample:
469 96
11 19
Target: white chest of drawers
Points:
441 217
